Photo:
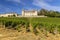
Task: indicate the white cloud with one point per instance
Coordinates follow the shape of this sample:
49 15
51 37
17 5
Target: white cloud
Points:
45 5
18 1
4 9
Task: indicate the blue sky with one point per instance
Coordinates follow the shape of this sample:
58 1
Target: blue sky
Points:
18 5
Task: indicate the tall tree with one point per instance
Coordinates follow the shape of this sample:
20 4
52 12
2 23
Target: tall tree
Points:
42 12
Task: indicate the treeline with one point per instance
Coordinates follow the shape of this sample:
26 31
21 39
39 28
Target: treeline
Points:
49 13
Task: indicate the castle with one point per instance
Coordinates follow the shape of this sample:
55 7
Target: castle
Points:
24 13
29 13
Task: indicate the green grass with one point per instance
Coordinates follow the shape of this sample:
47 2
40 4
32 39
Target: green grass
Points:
46 20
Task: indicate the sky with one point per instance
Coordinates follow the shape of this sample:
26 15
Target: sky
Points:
18 5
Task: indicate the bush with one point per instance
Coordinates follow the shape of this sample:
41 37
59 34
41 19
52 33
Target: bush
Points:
47 24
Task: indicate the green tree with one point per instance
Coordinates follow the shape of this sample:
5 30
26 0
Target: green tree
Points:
42 12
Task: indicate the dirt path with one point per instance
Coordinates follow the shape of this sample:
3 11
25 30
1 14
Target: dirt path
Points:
8 34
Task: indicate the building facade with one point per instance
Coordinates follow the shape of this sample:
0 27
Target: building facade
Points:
29 13
8 15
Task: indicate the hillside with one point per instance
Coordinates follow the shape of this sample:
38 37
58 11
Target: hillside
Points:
31 28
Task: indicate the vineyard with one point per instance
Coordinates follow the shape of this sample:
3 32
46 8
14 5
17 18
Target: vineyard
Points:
35 25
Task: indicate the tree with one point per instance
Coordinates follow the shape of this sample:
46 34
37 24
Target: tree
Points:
42 12
14 15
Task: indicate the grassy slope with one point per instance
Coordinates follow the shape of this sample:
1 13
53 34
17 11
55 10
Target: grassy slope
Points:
46 20
36 20
9 34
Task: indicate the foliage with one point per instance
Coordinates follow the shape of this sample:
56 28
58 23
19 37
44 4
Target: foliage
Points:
47 24
49 13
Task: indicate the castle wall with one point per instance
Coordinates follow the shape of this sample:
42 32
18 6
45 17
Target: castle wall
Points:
29 13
